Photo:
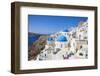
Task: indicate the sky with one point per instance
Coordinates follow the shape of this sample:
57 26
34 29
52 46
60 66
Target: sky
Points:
46 24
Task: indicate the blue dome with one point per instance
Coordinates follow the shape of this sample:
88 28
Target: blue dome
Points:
62 38
50 39
66 30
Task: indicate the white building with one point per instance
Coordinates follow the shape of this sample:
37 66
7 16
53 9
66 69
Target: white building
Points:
66 44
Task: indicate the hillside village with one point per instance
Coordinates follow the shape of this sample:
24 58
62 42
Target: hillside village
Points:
66 44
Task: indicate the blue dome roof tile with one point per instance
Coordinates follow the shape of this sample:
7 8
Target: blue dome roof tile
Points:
62 38
66 30
50 39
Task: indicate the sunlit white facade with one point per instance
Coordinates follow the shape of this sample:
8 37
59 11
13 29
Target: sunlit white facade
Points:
67 44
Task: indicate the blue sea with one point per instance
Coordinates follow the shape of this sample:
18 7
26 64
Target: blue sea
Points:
32 39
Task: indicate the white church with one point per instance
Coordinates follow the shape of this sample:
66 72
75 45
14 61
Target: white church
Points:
67 44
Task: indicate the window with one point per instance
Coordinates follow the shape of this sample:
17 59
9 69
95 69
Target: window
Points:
61 45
